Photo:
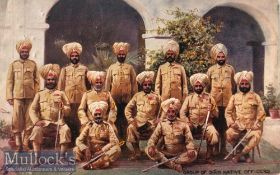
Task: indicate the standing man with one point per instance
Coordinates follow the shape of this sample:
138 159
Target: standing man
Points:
195 110
178 140
73 81
22 84
96 94
147 105
245 115
98 137
121 82
221 88
171 80
44 111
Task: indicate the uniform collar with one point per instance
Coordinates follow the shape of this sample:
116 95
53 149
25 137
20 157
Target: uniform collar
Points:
23 61
75 65
219 66
50 90
119 64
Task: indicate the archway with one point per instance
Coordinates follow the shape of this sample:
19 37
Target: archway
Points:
243 37
90 22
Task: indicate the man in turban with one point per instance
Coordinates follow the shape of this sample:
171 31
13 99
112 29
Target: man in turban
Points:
221 87
73 81
171 80
121 82
22 84
147 105
178 140
96 94
96 138
44 111
244 112
195 109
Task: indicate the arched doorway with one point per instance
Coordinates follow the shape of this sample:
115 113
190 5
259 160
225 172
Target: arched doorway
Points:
243 37
92 22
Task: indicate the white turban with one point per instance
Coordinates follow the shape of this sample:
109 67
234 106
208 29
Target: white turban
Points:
215 50
23 44
244 75
171 103
93 75
72 47
171 45
52 70
120 48
199 77
145 75
100 106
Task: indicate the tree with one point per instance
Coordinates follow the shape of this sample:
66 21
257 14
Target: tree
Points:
195 36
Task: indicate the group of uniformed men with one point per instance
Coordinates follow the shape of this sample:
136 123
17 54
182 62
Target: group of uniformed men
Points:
95 109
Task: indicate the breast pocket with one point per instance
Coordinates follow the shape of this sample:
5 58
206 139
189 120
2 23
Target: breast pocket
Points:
43 105
164 75
140 105
68 76
126 73
177 75
115 76
80 76
28 73
17 73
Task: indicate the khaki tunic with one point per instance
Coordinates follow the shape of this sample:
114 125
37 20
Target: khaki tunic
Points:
73 81
121 82
245 110
171 81
178 140
147 108
45 108
22 84
222 83
22 80
194 111
94 96
98 137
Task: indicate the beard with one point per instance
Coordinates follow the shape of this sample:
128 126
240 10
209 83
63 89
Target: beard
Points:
198 91
170 59
244 89
121 59
50 85
221 62
98 120
75 60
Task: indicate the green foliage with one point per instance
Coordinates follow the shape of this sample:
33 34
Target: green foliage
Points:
271 100
195 36
5 130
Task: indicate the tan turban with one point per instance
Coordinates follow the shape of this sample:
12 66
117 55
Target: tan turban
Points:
171 45
120 48
199 77
24 44
72 47
52 70
100 106
171 103
244 75
145 75
93 75
215 50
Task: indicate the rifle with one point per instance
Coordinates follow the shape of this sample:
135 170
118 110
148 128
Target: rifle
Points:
161 163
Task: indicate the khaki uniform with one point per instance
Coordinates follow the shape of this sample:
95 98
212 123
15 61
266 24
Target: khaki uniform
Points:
121 82
245 110
194 111
178 140
98 137
147 108
45 108
74 82
93 96
171 81
22 84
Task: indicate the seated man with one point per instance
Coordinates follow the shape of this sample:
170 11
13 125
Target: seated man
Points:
96 138
244 112
44 111
177 138
97 93
195 109
146 104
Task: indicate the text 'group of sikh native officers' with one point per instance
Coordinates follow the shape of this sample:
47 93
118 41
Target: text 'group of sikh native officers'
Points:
92 110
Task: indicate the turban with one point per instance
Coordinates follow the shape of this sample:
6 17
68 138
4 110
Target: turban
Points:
100 106
120 48
171 103
145 75
72 47
93 75
215 50
171 45
24 44
52 70
199 77
244 75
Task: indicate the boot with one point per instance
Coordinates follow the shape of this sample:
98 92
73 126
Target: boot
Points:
216 150
209 154
26 136
103 162
135 153
237 157
223 146
248 158
18 139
